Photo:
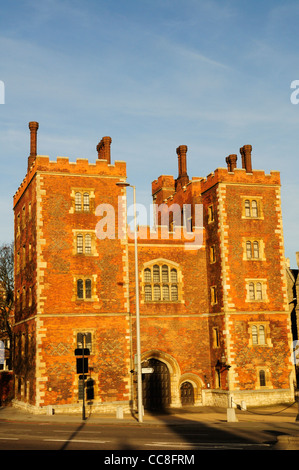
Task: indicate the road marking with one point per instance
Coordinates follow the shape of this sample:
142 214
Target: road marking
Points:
230 445
85 441
9 438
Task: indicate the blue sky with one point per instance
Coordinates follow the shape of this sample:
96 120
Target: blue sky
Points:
211 74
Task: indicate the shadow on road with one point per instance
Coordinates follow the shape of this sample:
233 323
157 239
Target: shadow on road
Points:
197 433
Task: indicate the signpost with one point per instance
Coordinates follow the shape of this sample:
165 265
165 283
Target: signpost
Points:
82 368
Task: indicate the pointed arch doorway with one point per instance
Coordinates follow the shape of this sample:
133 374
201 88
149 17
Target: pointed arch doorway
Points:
156 391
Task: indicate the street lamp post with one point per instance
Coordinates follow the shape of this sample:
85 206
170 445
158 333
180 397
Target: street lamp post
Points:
139 374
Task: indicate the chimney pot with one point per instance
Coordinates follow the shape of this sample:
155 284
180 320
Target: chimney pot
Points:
103 149
183 177
231 161
246 157
33 126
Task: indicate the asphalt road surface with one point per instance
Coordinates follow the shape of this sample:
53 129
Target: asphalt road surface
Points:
16 435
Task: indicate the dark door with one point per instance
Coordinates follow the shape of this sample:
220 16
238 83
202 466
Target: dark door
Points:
187 394
156 385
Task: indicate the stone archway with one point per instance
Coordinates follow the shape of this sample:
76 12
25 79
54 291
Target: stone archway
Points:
192 389
162 387
156 392
187 393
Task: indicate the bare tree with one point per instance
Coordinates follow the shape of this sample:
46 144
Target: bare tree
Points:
7 292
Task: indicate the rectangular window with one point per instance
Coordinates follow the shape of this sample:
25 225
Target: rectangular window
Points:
215 337
213 254
84 340
213 295
210 213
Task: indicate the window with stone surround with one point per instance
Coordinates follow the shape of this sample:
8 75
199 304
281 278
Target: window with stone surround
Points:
256 290
84 340
82 200
253 249
263 379
84 242
252 207
85 288
259 333
161 282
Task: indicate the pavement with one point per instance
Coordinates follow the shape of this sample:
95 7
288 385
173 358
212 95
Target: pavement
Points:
174 416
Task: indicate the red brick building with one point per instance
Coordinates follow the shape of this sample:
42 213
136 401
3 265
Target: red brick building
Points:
214 310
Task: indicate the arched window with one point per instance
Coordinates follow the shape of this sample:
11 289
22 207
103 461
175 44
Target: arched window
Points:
147 275
86 202
165 276
156 273
87 243
88 288
254 334
79 243
84 289
262 338
80 291
78 202
247 208
161 283
256 252
174 275
259 293
251 291
248 250
254 211
258 334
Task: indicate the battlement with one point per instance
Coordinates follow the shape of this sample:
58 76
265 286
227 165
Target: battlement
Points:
42 163
166 187
240 176
166 182
81 166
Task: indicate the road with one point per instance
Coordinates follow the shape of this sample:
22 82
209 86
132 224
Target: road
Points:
16 435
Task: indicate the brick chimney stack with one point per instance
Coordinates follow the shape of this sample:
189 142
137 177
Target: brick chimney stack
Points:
103 149
33 126
183 177
231 161
245 152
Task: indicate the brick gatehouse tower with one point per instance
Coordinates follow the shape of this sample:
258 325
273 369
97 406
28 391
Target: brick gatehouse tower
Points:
214 312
